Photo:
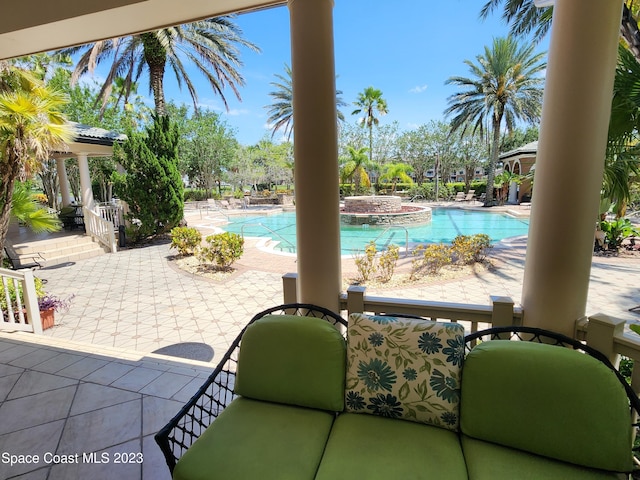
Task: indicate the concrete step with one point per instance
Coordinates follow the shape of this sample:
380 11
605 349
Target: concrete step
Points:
61 250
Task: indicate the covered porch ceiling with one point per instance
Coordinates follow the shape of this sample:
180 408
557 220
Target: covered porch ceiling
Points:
33 26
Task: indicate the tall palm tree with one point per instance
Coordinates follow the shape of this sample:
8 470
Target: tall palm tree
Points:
370 102
31 126
524 17
281 110
211 45
504 85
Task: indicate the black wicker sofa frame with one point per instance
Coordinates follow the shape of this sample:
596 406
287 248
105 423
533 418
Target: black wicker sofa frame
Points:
218 392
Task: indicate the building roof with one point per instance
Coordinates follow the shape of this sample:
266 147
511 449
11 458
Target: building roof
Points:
87 134
528 149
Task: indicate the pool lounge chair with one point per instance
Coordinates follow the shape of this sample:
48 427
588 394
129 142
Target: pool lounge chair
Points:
460 197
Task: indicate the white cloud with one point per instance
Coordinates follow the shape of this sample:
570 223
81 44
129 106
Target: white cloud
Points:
234 112
418 89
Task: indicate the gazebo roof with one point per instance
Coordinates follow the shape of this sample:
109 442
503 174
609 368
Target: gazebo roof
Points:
96 136
91 141
528 149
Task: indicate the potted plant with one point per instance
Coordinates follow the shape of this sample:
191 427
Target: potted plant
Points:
48 305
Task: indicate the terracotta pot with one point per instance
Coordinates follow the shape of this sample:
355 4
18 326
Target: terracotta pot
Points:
47 317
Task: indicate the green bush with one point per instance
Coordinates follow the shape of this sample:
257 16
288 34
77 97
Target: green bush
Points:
222 249
12 293
434 257
366 264
616 231
388 261
185 239
470 249
196 195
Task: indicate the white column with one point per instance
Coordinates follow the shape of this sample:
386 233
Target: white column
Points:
570 161
85 181
63 181
315 152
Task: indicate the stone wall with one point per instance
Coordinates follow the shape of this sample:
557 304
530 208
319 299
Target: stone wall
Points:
373 204
409 218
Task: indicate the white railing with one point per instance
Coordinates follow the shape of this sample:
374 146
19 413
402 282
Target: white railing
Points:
19 304
100 229
600 331
111 213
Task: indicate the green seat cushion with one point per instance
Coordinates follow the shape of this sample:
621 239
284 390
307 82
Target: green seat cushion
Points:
372 447
547 400
252 440
488 461
405 368
294 360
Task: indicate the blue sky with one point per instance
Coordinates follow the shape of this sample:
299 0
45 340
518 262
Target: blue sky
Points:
407 51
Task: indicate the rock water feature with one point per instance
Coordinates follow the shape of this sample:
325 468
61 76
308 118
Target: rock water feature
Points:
382 210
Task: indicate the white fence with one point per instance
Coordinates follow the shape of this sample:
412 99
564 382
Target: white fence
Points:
19 302
100 229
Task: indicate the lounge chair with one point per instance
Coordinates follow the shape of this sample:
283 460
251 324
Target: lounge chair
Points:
460 197
470 195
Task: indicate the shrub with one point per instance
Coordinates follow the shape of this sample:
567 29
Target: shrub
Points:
616 231
388 261
11 290
435 257
366 264
470 249
223 249
185 239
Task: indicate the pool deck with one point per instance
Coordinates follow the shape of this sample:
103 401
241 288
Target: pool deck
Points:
91 383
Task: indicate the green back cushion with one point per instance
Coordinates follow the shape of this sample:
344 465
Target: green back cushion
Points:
293 360
405 368
546 400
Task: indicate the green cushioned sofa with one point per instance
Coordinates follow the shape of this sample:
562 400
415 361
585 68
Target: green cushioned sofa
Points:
294 399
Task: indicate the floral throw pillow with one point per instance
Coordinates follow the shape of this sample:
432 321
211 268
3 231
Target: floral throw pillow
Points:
407 368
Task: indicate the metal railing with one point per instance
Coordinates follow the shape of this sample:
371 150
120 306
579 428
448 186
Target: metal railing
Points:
396 227
292 247
19 303
100 229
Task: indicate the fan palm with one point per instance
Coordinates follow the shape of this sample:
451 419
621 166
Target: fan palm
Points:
370 102
211 45
504 85
27 210
281 110
31 125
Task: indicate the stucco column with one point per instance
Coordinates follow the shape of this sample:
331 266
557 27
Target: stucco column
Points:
85 181
63 181
315 152
570 161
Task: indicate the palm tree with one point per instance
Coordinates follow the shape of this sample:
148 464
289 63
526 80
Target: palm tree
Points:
281 110
524 17
354 169
31 126
212 45
397 172
26 209
370 101
505 84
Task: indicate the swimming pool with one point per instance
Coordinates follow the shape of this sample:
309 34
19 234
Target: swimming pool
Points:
446 224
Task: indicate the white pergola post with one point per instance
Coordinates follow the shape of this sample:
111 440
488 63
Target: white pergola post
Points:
85 181
315 152
63 181
570 161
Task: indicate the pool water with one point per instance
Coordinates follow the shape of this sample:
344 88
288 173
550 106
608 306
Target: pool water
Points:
446 224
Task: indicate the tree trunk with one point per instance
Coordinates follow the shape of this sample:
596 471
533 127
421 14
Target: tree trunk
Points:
156 57
629 31
6 197
493 158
